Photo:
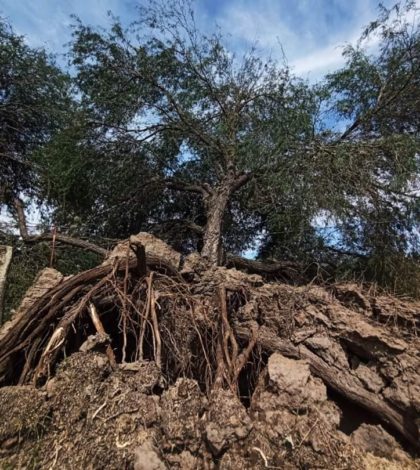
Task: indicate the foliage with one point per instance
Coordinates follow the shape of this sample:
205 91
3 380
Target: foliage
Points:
34 94
378 155
193 116
364 179
169 131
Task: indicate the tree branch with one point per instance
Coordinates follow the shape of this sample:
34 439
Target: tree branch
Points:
77 242
203 189
276 267
241 180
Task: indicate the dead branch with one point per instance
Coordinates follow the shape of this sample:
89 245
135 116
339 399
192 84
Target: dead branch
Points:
101 330
77 242
281 268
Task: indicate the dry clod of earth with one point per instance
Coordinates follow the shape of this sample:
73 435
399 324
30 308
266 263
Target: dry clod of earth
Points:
152 362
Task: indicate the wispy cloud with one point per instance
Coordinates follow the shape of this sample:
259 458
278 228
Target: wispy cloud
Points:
309 32
46 23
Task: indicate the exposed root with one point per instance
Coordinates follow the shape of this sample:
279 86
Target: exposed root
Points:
219 330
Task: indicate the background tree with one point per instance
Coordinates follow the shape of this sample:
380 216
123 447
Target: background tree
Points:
362 176
34 98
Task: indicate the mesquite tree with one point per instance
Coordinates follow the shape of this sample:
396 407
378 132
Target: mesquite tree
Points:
176 131
210 121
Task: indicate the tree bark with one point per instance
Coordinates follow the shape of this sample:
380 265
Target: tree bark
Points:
215 202
215 205
21 218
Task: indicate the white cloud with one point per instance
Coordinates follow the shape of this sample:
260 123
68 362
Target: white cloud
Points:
311 32
46 23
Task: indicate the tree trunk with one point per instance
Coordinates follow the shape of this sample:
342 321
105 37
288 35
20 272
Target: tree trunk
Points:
215 206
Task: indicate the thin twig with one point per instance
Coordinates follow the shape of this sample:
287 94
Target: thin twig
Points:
143 326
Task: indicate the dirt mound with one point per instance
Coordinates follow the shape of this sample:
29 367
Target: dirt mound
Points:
164 366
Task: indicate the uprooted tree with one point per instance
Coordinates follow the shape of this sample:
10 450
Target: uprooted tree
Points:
272 349
171 133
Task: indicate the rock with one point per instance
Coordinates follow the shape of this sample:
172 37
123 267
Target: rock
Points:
373 340
292 381
330 351
351 296
404 392
146 458
288 375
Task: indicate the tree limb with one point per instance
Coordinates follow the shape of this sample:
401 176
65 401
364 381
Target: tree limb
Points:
77 242
259 267
190 187
241 180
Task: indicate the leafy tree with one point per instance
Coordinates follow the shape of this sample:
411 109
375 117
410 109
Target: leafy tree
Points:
34 96
178 135
366 177
206 122
380 95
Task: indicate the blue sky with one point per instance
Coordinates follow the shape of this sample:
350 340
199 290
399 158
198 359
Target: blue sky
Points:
311 32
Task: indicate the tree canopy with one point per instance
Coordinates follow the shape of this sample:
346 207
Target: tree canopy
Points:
34 97
167 130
